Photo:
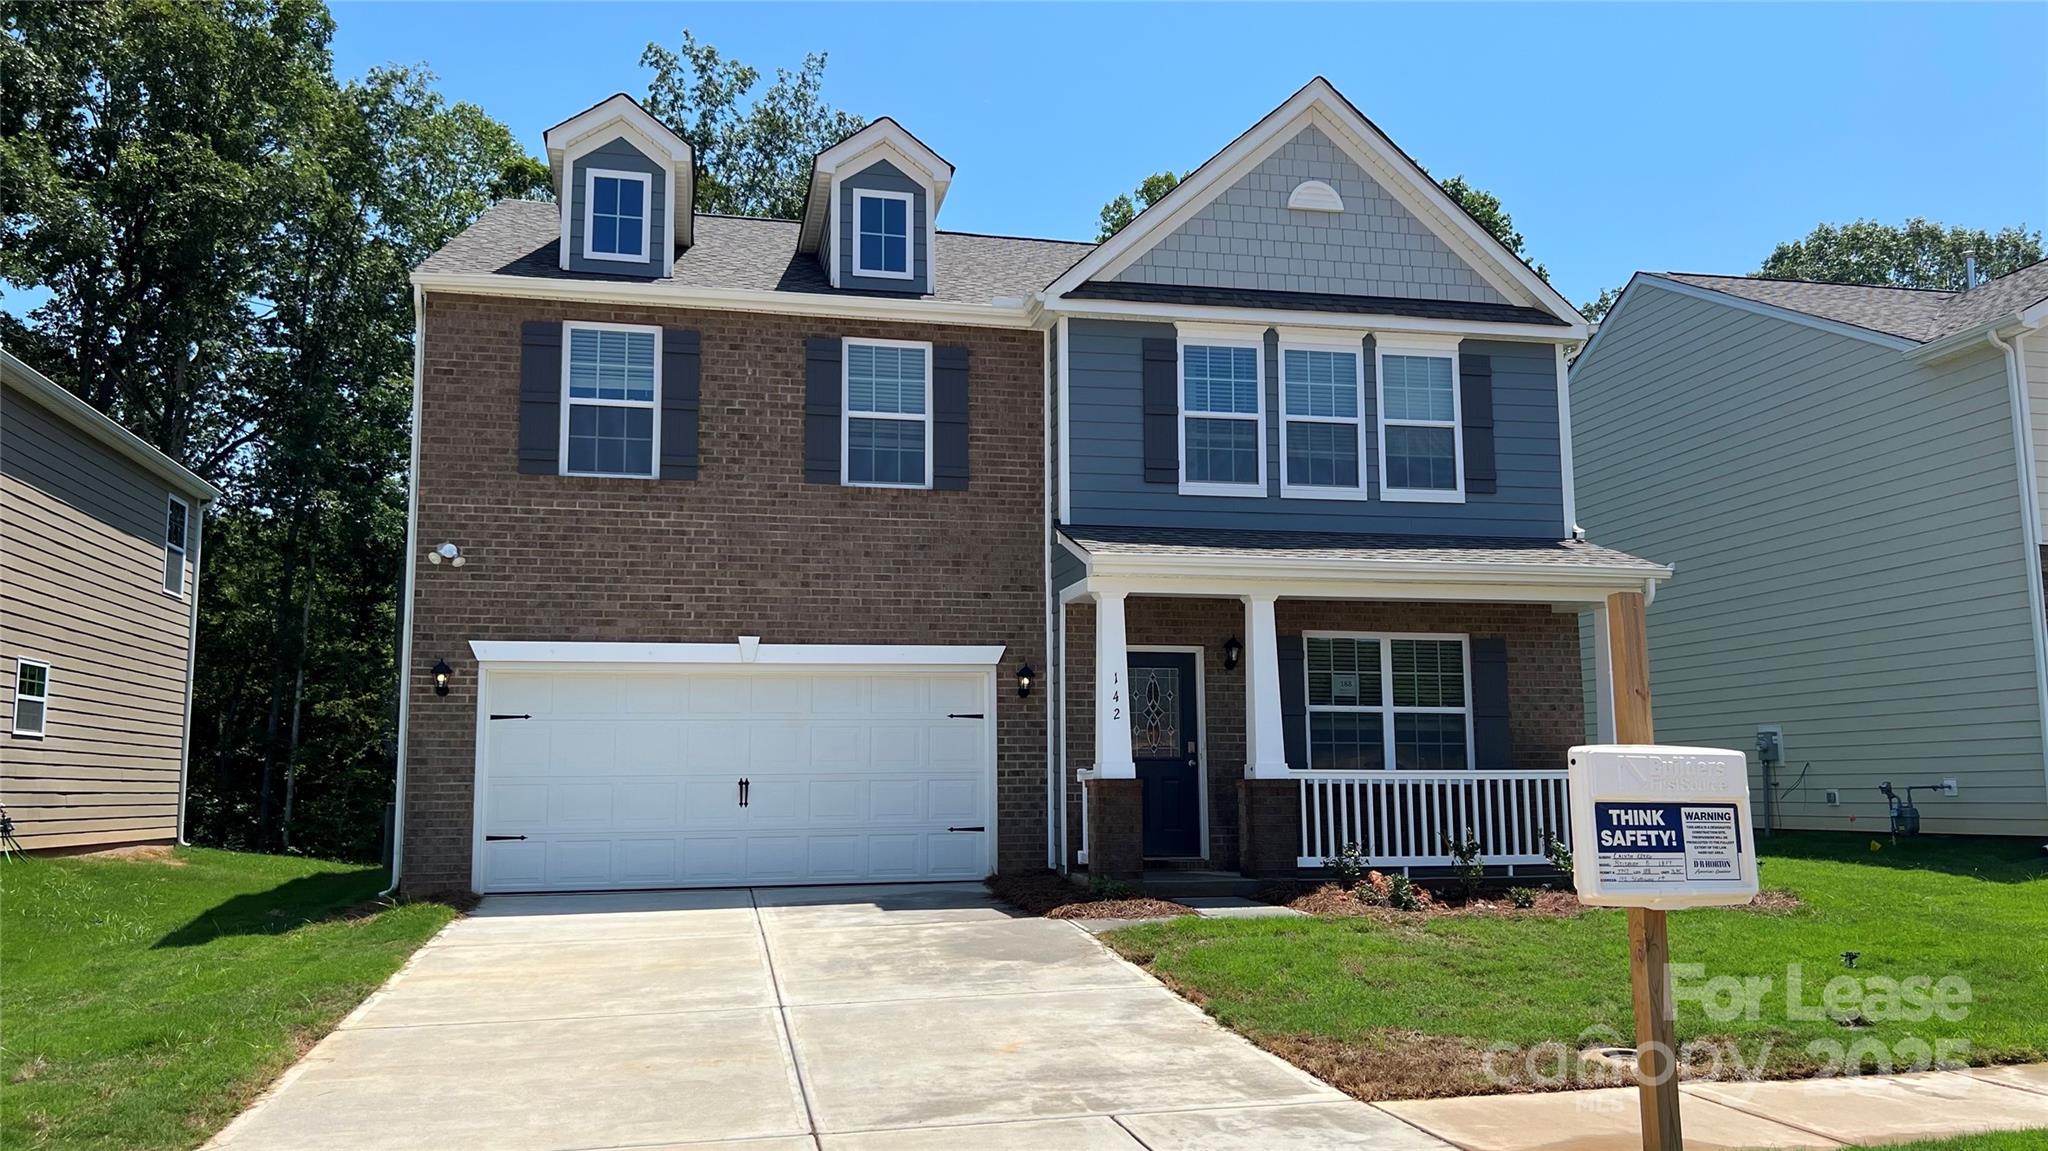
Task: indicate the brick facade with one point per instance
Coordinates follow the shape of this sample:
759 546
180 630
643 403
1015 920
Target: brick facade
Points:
1546 709
747 548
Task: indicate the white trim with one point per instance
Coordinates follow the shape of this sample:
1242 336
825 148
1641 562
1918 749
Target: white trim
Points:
1603 676
44 699
1567 483
1387 710
1214 336
198 530
909 203
1063 383
569 328
805 654
615 118
1314 196
1362 323
411 565
886 136
1201 727
1060 733
182 547
90 420
1310 340
1004 312
1052 679
1432 349
2030 510
646 182
847 414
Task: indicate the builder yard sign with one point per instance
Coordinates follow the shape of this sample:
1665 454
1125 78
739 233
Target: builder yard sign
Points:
1661 827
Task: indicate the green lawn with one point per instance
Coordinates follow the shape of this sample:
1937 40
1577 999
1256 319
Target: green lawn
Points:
144 1002
1404 1008
2032 1140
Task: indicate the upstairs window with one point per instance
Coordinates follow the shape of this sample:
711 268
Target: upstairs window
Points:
882 245
31 697
1319 401
176 521
1379 701
615 216
888 423
1222 426
611 387
1420 443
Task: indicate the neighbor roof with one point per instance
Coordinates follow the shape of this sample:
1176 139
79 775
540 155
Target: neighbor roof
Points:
94 423
1919 315
1222 543
522 238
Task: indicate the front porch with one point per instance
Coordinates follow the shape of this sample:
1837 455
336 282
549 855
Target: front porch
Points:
1258 721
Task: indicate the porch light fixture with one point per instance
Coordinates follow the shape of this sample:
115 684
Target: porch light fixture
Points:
1233 650
441 673
1024 677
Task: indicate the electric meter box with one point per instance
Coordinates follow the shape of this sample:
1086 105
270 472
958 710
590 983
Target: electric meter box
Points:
1661 827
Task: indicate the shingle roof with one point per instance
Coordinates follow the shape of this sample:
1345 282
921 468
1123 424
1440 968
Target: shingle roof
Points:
1310 302
1909 313
523 237
1222 542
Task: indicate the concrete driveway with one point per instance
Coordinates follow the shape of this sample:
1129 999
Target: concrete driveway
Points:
779 1019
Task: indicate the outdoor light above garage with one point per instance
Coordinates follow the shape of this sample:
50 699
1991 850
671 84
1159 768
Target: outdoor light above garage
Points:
1024 677
441 673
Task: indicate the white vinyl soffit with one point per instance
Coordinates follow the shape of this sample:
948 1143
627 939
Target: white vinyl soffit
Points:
755 652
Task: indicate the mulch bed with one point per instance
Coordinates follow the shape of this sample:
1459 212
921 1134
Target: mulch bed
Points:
1330 900
1047 894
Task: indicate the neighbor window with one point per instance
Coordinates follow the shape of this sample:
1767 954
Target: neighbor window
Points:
888 418
1319 406
31 697
882 246
1375 701
616 216
610 388
176 522
1222 449
1419 438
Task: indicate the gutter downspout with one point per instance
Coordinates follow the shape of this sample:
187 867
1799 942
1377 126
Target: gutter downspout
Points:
412 515
1051 675
191 669
2030 508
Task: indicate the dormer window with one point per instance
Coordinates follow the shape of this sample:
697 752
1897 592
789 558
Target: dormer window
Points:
882 245
616 217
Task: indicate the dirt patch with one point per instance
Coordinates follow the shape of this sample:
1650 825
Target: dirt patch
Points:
163 853
1046 894
1775 903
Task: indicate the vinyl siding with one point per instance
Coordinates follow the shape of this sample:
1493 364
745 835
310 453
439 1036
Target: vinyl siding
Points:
2034 355
619 156
1107 452
81 588
1846 529
882 176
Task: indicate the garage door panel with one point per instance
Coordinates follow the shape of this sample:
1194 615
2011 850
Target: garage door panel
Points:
580 806
719 694
898 696
837 857
776 857
651 748
895 856
895 800
580 862
654 695
645 861
647 804
522 693
954 800
895 747
955 694
837 747
958 745
839 801
956 855
714 746
779 695
709 859
778 802
711 803
516 807
516 865
777 746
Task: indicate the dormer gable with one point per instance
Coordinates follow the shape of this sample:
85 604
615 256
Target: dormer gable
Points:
624 183
871 217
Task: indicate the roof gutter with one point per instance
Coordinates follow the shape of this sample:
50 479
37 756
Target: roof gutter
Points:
1002 312
2030 500
1634 577
2012 324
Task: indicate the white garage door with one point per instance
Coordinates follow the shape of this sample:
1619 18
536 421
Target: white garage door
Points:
683 777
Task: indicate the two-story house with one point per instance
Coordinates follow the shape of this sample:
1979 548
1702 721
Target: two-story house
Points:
849 549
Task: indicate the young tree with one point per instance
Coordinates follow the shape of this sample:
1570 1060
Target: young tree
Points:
1596 309
753 153
1123 210
1917 254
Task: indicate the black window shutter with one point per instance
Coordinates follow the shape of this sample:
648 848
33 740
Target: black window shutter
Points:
540 397
1162 411
821 410
1475 402
949 419
681 380
1491 747
1294 701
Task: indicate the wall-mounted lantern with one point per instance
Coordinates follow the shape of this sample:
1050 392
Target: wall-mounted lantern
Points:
441 673
1024 677
1232 652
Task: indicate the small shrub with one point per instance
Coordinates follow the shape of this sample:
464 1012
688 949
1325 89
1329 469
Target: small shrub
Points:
1403 895
1348 865
1470 868
1105 888
1559 855
1523 898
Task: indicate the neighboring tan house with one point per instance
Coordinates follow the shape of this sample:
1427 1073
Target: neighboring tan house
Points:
99 601
1848 481
848 549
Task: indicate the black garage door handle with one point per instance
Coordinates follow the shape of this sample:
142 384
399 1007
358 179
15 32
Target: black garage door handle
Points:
500 838
967 829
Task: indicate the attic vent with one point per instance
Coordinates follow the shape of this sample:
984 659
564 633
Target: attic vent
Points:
1315 196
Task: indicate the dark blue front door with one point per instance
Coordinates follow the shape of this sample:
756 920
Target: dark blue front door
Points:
1164 742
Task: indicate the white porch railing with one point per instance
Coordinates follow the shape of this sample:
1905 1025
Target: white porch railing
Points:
1399 818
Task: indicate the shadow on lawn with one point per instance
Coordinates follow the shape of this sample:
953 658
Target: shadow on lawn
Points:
2014 859
319 898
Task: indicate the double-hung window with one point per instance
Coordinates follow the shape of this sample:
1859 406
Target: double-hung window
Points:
611 388
1322 456
1222 415
1421 447
31 697
176 522
882 234
888 422
1377 701
616 220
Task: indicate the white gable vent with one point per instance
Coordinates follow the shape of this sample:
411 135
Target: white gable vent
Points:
1315 196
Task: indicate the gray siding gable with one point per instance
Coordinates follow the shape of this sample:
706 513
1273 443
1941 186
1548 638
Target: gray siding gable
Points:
1247 237
619 156
882 176
1106 453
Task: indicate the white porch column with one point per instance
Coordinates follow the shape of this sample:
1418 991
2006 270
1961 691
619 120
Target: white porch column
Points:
1265 734
1112 691
1603 678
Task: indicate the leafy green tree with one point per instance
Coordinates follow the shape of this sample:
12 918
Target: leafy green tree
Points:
1596 309
753 153
1124 209
1485 207
1917 254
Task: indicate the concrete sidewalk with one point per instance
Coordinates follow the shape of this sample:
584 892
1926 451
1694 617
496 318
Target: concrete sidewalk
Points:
1812 1113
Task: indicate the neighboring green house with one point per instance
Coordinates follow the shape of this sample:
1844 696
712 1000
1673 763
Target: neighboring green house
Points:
1848 482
